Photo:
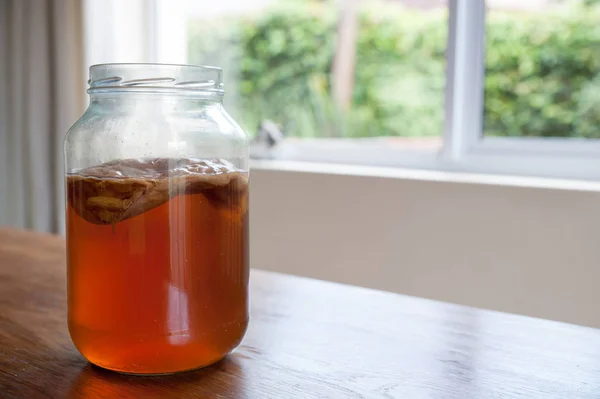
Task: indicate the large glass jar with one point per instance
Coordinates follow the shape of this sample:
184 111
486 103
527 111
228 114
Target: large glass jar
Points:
157 220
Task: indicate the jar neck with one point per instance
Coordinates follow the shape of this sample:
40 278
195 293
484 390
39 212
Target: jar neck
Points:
122 96
134 102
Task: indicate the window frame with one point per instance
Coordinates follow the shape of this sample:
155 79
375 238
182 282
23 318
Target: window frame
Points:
464 141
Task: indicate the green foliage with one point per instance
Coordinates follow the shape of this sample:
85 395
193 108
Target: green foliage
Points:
542 74
542 70
399 76
285 68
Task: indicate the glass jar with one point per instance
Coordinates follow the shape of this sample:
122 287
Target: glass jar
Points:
157 220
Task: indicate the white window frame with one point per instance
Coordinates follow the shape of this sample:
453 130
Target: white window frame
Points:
464 146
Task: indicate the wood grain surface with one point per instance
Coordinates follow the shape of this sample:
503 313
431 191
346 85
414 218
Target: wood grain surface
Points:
307 339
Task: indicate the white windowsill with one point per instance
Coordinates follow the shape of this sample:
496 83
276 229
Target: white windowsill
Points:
536 162
424 175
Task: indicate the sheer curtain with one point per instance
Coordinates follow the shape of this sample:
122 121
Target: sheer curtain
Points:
42 88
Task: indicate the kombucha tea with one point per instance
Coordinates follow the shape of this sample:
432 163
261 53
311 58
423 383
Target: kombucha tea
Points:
157 258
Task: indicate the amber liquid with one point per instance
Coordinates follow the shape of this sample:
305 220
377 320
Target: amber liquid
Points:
163 287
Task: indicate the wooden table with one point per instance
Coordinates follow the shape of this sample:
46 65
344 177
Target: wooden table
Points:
308 339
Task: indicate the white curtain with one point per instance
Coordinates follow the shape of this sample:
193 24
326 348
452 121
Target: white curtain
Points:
42 92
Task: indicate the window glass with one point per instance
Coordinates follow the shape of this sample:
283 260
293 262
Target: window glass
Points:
542 69
329 68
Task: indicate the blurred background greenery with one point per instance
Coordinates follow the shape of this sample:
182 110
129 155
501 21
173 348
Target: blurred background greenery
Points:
542 69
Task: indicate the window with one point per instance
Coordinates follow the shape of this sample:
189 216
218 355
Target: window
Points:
503 86
496 121
329 69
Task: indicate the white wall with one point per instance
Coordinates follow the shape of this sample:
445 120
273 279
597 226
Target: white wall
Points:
533 251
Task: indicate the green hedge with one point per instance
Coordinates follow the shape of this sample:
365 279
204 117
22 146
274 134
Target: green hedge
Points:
542 76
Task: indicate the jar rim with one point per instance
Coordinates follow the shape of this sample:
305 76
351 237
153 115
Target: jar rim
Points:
151 77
